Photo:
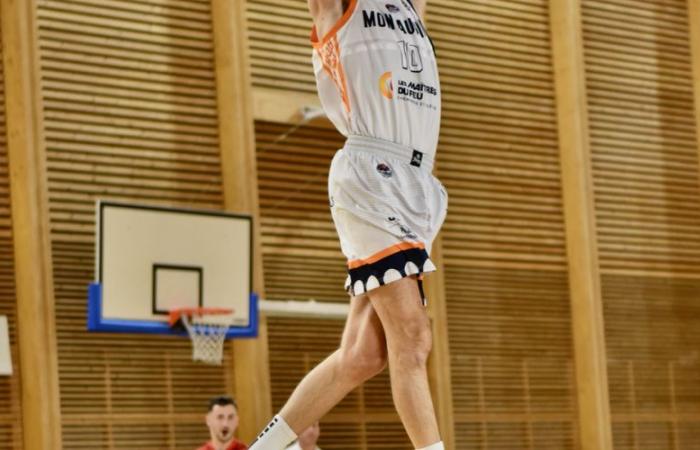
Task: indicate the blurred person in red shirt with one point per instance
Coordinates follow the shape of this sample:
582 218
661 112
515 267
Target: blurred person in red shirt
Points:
222 420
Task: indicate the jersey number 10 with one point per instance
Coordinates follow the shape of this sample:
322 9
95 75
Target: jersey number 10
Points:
410 57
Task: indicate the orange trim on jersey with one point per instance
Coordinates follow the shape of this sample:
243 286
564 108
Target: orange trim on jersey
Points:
343 86
333 31
330 57
355 263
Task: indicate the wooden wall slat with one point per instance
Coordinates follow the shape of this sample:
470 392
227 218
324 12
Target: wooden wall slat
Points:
295 217
280 51
644 144
653 365
130 114
694 31
33 281
590 360
645 156
239 174
10 401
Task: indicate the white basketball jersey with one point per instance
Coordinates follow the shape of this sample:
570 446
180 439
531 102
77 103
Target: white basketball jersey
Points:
377 75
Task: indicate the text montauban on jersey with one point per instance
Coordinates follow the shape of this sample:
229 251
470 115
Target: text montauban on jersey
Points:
387 20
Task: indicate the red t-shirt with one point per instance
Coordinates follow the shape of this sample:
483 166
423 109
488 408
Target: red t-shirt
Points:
235 445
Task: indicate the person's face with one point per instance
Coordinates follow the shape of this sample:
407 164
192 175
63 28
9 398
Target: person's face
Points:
222 422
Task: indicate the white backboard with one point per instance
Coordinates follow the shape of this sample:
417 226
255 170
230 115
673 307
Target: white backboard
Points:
152 259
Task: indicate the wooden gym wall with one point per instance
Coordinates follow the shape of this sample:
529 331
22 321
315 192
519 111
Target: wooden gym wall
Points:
10 407
645 167
131 103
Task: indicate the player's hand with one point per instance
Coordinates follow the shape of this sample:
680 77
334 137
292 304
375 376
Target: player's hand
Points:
309 437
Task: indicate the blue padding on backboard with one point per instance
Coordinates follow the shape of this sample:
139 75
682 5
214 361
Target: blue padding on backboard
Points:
95 322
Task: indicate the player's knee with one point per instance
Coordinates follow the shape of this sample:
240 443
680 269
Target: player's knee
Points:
372 365
360 365
413 351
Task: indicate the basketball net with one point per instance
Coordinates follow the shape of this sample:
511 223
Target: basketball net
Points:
207 335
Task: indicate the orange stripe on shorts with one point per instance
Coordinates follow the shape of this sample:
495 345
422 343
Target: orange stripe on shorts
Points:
355 263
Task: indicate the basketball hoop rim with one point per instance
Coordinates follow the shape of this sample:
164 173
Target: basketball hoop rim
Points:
176 314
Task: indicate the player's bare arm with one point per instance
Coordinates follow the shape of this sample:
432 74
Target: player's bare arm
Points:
420 6
326 13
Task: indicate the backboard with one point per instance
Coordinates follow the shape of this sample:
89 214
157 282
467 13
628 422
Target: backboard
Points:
151 259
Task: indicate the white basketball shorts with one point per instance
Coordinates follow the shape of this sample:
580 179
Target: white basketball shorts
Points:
387 208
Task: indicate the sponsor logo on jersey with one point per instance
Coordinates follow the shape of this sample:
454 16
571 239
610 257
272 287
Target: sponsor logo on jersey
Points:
392 8
386 85
373 19
415 90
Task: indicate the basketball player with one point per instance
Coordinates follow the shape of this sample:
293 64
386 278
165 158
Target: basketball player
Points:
377 79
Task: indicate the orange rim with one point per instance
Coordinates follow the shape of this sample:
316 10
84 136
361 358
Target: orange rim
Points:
176 313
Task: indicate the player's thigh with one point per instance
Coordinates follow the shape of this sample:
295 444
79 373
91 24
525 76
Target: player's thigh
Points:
363 333
400 309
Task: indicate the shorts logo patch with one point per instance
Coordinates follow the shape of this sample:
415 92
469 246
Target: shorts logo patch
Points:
405 232
385 170
417 158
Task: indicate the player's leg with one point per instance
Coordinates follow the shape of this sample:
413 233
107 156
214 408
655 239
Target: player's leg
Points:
362 354
409 339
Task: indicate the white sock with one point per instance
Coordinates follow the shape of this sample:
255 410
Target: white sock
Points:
438 446
276 436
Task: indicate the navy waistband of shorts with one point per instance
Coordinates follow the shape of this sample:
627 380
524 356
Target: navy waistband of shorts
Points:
390 149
